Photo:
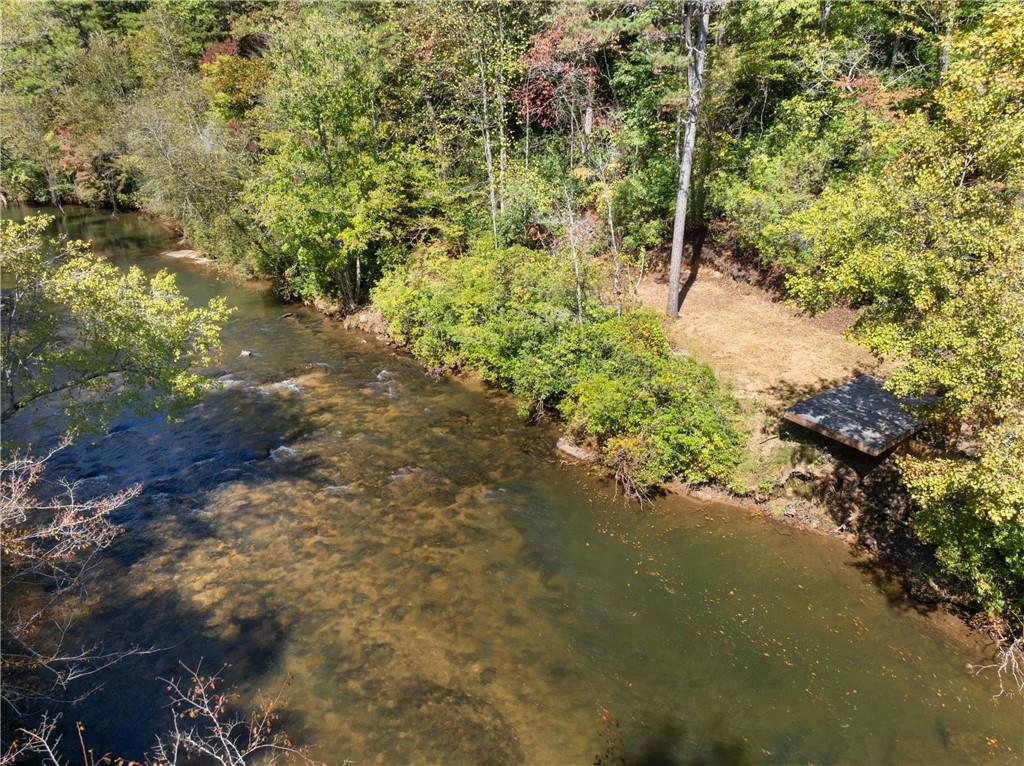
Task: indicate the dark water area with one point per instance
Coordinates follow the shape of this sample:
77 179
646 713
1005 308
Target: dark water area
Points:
434 586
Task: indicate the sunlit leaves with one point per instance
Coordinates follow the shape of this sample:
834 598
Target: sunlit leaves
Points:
335 190
99 339
510 314
929 242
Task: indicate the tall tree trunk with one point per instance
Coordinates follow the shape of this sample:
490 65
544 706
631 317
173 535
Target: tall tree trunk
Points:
679 135
947 38
695 83
500 98
526 127
826 11
684 44
502 150
442 147
588 114
359 279
616 260
51 184
325 152
571 232
488 153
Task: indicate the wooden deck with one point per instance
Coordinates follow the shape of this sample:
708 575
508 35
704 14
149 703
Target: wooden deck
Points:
860 414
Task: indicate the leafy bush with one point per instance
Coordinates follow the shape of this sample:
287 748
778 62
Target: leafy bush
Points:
655 414
512 314
972 511
928 240
764 178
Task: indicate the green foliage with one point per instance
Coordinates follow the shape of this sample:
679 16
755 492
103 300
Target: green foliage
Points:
38 49
171 35
531 200
972 510
656 415
929 239
763 178
335 190
874 153
192 176
91 135
77 328
481 311
641 203
649 77
232 84
512 315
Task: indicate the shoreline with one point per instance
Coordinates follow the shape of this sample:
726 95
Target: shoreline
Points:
811 516
893 567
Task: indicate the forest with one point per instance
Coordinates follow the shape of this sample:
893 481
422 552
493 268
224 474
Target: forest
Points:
497 177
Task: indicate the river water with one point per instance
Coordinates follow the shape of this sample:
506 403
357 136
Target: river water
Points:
434 586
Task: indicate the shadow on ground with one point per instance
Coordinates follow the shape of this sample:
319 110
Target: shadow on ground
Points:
864 495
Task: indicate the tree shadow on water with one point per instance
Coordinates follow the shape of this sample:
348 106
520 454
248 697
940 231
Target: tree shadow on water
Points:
231 437
134 598
864 495
126 707
670 744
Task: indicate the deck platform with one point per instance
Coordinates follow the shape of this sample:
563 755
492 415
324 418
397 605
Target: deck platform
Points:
860 414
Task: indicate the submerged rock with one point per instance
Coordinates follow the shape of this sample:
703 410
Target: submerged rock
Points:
285 385
401 473
282 453
451 725
229 381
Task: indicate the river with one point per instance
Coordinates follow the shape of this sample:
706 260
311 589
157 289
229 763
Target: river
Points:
435 586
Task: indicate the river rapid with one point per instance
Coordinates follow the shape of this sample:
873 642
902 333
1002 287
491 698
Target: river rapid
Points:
435 586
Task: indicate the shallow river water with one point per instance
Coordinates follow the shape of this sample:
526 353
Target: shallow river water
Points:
435 587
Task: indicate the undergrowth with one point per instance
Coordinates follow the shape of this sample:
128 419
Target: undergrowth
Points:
514 315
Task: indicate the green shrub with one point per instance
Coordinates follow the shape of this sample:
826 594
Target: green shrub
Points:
654 414
512 314
763 178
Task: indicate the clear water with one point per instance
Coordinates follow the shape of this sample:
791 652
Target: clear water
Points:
435 587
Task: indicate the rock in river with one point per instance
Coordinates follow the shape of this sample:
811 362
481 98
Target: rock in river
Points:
576 451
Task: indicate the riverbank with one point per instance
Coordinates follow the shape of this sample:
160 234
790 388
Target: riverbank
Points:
790 477
486 604
770 355
734 318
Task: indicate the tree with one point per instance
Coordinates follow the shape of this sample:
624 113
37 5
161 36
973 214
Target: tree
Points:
37 50
466 57
337 190
77 328
929 240
701 11
193 168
